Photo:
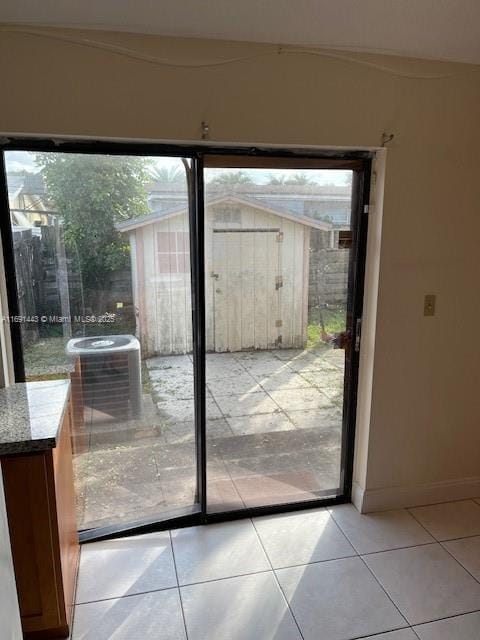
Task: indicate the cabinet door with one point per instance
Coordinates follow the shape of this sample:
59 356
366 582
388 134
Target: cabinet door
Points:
29 496
67 523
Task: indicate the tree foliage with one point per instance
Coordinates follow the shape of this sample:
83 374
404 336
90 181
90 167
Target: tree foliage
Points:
298 179
168 175
277 180
232 178
92 193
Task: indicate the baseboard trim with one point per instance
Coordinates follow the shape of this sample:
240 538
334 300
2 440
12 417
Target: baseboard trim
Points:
368 500
358 493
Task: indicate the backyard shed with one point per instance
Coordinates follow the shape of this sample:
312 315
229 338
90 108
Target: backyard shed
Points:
257 275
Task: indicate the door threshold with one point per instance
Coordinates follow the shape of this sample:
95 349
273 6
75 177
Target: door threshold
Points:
172 518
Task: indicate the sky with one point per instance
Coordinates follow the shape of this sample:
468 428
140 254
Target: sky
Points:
262 176
25 160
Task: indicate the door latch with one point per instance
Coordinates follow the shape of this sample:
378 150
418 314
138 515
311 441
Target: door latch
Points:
358 334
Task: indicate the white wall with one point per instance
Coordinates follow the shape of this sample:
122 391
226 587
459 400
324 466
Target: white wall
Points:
9 614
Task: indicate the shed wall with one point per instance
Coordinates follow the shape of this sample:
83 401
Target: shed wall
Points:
256 283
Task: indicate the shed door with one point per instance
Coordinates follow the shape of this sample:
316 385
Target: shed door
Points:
246 289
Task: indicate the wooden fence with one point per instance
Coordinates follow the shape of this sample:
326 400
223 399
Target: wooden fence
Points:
328 276
48 283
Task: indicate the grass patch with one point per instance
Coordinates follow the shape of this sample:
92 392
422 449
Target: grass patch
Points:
334 322
46 360
314 336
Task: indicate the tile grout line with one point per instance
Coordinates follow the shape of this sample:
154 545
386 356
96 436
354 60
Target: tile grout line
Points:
458 561
126 595
330 512
469 537
436 504
385 591
439 542
408 626
452 617
250 573
190 584
410 510
372 553
178 584
381 633
423 545
371 572
237 575
408 546
277 580
422 525
435 541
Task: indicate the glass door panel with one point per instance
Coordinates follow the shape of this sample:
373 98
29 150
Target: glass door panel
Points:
277 256
102 260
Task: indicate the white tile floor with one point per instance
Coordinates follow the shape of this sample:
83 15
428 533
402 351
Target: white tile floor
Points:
312 575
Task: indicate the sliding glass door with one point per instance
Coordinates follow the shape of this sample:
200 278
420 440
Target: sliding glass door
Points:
101 246
205 308
278 251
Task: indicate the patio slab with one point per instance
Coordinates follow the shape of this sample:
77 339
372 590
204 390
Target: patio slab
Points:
265 423
240 384
300 399
274 434
185 431
127 502
177 410
222 365
283 379
247 404
179 363
323 418
323 377
171 383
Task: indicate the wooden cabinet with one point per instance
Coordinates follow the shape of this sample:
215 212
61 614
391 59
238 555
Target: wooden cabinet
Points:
40 500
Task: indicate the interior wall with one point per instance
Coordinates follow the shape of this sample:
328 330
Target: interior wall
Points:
9 612
423 439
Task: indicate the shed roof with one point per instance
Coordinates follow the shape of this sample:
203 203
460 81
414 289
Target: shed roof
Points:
282 212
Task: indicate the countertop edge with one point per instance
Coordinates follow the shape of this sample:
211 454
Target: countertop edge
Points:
42 444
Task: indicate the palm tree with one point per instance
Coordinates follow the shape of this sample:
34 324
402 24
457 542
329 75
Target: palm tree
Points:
231 179
169 175
300 179
280 179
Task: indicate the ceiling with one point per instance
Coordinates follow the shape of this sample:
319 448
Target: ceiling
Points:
437 29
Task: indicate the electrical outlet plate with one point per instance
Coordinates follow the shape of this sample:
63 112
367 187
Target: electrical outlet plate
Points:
429 305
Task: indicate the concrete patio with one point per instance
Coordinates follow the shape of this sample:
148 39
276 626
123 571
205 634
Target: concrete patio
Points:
274 423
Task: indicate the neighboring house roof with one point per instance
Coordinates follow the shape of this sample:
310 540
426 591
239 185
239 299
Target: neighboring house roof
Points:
281 211
318 206
26 192
307 190
329 203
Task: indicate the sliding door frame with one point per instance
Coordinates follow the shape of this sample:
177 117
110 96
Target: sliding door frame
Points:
200 155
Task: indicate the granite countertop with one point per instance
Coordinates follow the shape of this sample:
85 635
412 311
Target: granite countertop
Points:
31 415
